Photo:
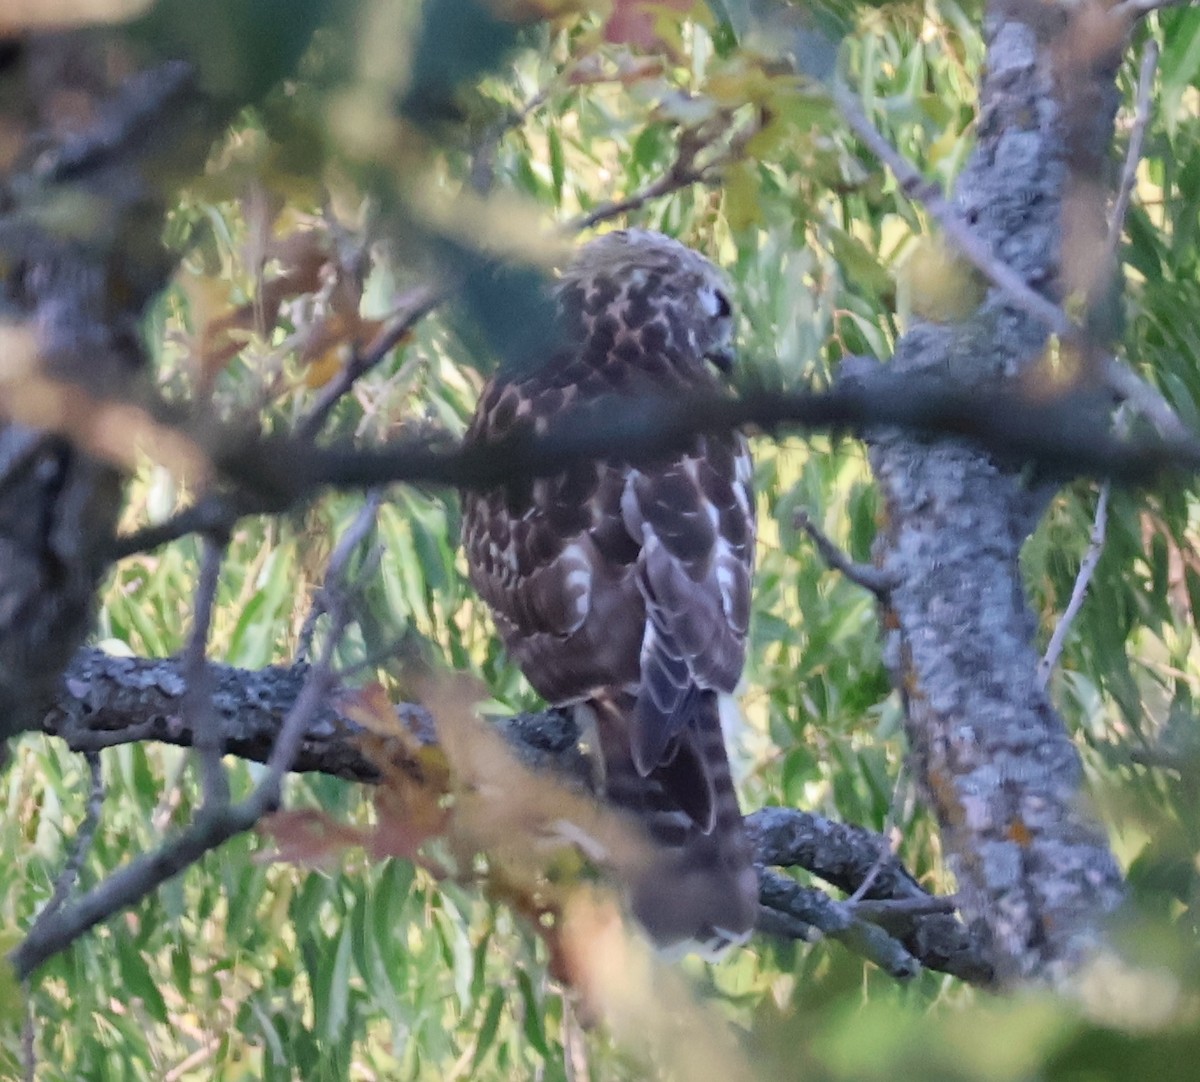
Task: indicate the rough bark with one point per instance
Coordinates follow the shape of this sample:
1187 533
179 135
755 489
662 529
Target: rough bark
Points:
994 757
81 213
105 700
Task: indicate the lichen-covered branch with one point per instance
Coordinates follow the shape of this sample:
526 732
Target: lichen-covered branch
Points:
993 755
108 700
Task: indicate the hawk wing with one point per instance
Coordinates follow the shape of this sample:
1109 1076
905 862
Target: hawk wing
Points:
694 518
552 556
608 578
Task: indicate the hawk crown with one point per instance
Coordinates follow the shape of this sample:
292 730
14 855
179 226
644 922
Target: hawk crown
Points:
642 276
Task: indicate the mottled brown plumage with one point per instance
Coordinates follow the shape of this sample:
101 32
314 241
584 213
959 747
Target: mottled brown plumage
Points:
626 586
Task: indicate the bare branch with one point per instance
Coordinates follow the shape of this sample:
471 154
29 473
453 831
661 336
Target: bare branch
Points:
1133 154
1145 400
969 243
1087 568
864 575
1063 436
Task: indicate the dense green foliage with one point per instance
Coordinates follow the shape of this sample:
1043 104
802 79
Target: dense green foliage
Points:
241 969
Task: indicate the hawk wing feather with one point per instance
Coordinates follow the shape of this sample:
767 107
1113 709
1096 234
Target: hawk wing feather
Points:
696 524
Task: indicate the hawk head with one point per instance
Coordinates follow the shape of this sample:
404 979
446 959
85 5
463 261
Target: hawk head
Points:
647 282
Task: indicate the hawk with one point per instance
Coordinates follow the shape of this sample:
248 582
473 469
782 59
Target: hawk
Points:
625 585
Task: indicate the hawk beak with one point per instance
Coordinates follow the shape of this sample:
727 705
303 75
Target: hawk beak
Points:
723 359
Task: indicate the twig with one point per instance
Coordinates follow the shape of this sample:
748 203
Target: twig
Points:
69 875
354 535
1145 399
887 846
198 702
213 825
678 176
1124 382
869 578
420 304
213 513
1086 569
930 195
681 172
1133 154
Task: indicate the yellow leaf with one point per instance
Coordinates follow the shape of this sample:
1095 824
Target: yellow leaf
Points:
741 190
936 284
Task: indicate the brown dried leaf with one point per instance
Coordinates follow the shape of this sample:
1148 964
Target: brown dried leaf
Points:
644 23
308 836
222 332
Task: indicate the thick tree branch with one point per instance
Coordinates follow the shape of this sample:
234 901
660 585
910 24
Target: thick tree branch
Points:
114 700
993 757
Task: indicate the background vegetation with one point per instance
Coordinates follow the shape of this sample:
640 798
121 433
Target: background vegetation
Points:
297 242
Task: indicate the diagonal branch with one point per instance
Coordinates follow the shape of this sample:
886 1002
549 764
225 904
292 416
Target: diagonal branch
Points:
1087 568
217 821
972 246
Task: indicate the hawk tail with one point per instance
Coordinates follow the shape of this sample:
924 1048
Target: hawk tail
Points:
703 894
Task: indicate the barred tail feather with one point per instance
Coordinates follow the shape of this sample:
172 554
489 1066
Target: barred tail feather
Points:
703 894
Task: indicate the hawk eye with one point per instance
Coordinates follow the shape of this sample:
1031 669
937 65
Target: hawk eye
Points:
724 308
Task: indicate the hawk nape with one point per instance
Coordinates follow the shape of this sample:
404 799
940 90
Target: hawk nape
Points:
625 586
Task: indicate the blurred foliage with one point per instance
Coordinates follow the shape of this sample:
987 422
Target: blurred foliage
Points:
408 130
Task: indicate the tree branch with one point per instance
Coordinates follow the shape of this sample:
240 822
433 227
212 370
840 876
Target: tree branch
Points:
218 820
864 575
967 240
126 699
1087 568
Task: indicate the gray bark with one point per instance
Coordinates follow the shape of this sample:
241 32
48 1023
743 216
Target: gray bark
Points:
105 700
994 757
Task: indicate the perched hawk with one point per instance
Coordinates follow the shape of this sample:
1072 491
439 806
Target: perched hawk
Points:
626 585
